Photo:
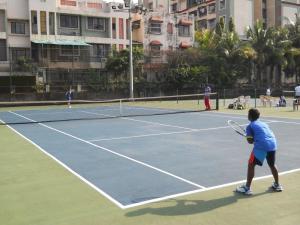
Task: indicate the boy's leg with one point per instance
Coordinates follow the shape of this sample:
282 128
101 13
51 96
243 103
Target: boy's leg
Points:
245 189
271 162
251 169
250 174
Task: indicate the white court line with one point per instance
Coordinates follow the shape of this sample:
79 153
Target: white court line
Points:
68 168
204 190
167 133
148 201
232 117
287 122
142 121
159 134
280 117
113 152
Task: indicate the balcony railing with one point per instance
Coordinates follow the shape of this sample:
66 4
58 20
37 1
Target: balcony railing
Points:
82 5
3 4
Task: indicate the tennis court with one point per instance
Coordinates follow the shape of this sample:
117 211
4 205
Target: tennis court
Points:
140 159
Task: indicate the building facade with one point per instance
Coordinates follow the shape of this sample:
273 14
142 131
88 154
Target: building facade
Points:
59 38
161 32
244 13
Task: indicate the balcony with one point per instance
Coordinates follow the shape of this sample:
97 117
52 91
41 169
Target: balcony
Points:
89 7
3 4
2 35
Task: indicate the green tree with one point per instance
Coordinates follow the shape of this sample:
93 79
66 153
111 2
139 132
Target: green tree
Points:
260 40
118 64
222 53
293 55
276 54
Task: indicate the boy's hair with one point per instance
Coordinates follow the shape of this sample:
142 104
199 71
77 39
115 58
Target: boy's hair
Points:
253 114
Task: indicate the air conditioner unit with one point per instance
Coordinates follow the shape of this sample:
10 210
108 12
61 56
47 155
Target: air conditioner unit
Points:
76 59
103 60
120 6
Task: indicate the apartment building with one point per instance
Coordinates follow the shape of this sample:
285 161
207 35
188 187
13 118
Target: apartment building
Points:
64 38
3 36
271 12
161 32
204 12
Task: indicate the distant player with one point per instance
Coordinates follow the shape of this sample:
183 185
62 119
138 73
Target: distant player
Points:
207 92
297 92
69 96
268 92
265 146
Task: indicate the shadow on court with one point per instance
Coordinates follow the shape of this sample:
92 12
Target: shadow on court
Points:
190 207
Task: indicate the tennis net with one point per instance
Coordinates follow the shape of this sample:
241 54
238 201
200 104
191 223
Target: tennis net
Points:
56 111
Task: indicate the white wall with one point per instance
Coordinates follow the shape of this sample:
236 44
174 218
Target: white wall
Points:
49 5
288 13
243 15
18 9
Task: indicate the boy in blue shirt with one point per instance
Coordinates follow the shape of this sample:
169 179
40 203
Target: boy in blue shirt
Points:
265 145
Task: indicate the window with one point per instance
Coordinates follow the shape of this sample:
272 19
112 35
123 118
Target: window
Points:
67 21
121 28
174 7
222 4
211 8
150 6
17 53
113 27
212 23
184 31
67 50
199 2
34 28
155 28
202 24
100 50
17 28
95 23
202 11
3 48
191 3
43 22
170 28
51 23
194 13
155 50
264 13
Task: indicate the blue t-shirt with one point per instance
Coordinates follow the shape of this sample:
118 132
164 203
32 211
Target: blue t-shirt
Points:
264 138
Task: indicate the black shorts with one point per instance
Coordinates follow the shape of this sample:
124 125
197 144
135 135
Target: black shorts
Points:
271 156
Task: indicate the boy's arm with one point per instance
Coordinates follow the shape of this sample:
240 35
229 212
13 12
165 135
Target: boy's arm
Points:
249 135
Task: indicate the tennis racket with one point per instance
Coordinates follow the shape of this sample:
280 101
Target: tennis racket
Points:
237 127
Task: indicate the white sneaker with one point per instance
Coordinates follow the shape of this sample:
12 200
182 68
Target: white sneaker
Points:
277 187
244 190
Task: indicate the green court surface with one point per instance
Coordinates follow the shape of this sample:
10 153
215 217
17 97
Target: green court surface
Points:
35 190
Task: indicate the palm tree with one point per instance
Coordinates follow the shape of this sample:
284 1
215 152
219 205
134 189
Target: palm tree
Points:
260 39
277 49
293 55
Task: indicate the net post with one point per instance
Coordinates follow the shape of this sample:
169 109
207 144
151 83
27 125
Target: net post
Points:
120 106
224 98
217 101
255 97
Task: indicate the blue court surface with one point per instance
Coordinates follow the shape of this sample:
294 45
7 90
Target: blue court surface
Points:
136 160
